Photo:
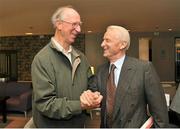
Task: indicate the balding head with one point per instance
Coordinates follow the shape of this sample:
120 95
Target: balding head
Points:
62 13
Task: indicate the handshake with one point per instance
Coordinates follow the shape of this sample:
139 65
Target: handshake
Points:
90 100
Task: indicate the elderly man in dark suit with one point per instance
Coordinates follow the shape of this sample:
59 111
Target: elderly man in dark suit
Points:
136 86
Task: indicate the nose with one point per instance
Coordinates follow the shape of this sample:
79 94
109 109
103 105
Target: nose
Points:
103 43
78 28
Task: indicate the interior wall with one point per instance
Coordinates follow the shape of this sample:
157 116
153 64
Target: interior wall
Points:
163 56
27 47
163 52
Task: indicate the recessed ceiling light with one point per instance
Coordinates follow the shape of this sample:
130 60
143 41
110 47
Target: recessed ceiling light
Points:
170 29
28 33
89 31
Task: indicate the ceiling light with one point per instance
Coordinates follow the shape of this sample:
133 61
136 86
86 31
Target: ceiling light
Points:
89 31
169 29
28 33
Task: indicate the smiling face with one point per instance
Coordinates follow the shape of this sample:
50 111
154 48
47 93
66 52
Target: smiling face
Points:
112 45
69 27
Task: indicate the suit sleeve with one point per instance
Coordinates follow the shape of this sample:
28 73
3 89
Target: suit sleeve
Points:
155 97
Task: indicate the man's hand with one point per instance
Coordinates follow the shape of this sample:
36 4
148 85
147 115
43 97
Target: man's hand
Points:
90 100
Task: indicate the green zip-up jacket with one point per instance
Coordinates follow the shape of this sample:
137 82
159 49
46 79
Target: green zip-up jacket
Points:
57 86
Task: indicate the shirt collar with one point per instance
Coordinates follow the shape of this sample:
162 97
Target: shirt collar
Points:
60 48
119 62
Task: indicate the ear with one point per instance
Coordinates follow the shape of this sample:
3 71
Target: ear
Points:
59 25
123 45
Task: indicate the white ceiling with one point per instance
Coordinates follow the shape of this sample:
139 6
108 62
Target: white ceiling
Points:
20 16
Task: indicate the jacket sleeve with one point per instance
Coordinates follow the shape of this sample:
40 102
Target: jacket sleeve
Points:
155 97
44 95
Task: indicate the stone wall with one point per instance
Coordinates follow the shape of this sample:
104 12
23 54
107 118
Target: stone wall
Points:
27 47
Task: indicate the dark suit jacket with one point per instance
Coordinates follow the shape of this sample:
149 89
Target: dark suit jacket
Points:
138 86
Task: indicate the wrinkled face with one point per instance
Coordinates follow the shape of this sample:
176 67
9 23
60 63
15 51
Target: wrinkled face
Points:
70 26
111 44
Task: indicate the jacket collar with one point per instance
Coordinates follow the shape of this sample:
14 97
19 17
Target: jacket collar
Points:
76 60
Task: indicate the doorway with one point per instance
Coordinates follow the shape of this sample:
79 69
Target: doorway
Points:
145 49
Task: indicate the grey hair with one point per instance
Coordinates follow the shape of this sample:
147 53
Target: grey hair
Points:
59 14
123 34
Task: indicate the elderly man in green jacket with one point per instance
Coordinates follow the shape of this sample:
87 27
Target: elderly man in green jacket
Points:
60 75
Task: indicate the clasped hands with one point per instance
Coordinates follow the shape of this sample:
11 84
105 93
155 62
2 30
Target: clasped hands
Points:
90 100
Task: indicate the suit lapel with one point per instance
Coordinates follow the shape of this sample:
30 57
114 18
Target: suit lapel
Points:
124 82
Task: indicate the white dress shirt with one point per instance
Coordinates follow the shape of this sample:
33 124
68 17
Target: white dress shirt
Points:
117 70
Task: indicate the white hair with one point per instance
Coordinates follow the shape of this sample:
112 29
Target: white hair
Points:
123 34
59 14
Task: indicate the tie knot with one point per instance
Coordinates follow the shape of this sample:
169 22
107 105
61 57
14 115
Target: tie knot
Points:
112 67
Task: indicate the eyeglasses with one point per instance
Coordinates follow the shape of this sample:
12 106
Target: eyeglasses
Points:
74 24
